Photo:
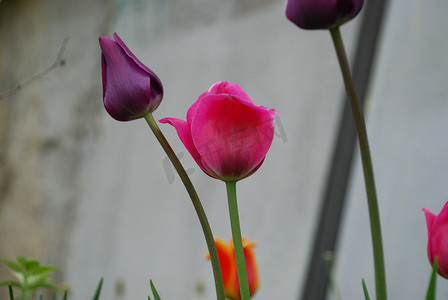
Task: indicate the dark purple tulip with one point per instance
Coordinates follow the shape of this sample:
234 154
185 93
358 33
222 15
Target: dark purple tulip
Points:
130 89
322 14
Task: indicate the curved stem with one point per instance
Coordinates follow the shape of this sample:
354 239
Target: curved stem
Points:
380 275
237 240
196 203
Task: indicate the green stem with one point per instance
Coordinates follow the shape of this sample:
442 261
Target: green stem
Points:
25 294
237 240
11 293
380 275
25 289
196 203
328 259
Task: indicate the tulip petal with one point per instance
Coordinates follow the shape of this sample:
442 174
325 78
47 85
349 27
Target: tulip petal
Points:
312 14
430 218
226 262
229 88
221 87
252 270
192 110
183 131
322 14
439 240
227 135
121 102
130 89
348 9
156 84
231 136
345 7
226 254
135 59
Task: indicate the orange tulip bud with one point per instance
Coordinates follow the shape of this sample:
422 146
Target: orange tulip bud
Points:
229 273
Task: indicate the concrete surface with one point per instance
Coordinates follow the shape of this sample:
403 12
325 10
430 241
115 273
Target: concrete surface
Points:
146 224
105 203
100 200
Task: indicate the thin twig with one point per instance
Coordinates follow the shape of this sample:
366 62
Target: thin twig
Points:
58 62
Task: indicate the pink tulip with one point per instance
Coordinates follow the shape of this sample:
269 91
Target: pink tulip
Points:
130 89
438 238
227 135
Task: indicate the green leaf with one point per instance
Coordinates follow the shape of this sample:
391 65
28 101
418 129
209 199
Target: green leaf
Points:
20 276
31 265
98 290
44 269
22 260
431 293
65 295
13 265
48 286
154 291
366 292
11 293
12 283
36 280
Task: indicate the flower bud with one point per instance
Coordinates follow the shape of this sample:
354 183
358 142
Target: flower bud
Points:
130 89
438 238
226 133
229 272
322 14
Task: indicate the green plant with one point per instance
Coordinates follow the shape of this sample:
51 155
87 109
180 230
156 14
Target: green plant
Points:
31 275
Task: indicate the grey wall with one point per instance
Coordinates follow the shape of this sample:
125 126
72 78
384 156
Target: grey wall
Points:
93 195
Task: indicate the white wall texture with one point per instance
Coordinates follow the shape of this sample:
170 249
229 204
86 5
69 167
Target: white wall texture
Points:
93 195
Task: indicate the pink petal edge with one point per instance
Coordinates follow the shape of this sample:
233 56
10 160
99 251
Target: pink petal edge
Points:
430 218
184 133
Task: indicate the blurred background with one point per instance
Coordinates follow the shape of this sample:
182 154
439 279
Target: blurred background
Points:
98 198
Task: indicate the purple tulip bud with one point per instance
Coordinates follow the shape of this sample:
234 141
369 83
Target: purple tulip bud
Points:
322 14
130 89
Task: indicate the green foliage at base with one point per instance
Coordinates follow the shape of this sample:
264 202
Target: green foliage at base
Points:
32 275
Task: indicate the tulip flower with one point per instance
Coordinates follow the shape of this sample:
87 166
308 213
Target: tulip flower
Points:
228 267
130 89
227 135
438 238
322 14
